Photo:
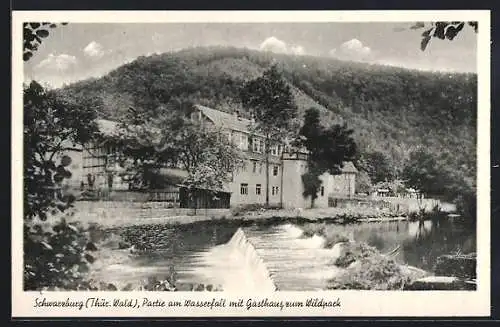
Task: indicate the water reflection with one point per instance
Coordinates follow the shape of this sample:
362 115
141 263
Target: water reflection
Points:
420 243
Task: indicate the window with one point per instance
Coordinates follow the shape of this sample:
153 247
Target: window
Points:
277 190
275 170
243 189
254 170
257 145
322 191
260 167
258 188
274 190
196 116
228 135
235 138
274 150
243 143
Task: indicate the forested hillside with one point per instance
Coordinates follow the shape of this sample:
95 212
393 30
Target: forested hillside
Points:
392 110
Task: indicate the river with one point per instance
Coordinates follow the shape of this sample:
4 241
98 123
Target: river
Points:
197 253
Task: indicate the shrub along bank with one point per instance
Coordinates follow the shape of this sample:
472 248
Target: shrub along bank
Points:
365 268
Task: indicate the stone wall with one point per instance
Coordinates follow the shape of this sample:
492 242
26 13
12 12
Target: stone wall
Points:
415 205
395 204
352 203
97 210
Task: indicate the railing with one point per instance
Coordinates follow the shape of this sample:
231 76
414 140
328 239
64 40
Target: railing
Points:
104 194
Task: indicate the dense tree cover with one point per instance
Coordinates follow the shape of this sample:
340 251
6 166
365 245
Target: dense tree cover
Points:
270 100
52 126
392 110
363 183
377 165
434 175
55 255
327 147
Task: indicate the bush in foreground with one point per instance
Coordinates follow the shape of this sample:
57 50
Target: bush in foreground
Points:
355 252
366 269
372 273
56 256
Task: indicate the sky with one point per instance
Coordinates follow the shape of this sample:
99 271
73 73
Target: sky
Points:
82 50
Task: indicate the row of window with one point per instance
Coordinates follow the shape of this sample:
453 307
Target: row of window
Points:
258 168
274 189
243 142
258 189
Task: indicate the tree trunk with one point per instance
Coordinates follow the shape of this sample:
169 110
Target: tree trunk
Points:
267 178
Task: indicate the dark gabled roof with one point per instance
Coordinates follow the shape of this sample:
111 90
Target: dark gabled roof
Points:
225 120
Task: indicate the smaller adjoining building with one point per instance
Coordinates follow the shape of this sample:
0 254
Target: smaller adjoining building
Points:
333 186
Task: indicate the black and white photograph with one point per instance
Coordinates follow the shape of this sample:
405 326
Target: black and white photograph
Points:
261 157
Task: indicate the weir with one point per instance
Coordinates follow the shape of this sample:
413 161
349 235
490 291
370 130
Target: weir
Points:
280 259
256 277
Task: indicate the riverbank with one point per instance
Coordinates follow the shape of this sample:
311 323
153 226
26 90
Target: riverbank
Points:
106 217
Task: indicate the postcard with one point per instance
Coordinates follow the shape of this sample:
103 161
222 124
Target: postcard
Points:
250 163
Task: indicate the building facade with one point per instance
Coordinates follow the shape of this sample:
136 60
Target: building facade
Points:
95 165
248 184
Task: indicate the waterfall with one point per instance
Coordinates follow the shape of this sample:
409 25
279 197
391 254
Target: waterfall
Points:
257 276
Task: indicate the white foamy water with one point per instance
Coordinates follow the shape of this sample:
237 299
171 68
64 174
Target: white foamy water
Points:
296 263
236 267
293 261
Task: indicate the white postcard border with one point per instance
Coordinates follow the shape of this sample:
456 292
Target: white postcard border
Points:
353 303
